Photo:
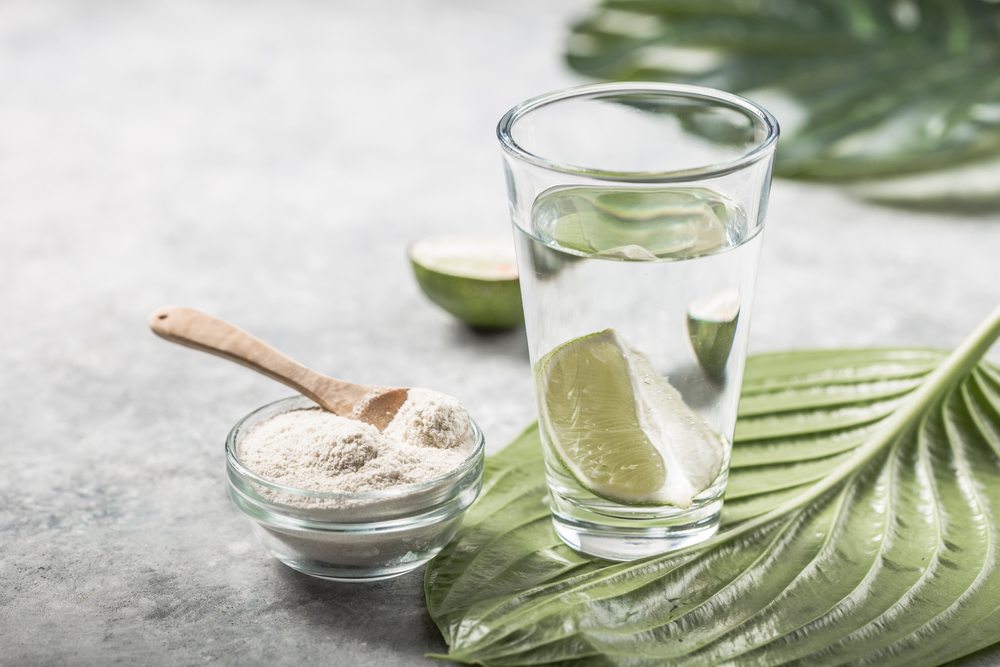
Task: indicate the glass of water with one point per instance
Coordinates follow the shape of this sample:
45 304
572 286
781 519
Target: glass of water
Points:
637 211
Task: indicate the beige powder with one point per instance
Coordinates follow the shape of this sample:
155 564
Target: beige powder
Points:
430 419
316 450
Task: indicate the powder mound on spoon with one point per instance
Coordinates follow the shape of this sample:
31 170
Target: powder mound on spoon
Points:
316 450
430 419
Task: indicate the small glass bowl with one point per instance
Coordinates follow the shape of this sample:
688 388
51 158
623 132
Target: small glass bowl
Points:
363 536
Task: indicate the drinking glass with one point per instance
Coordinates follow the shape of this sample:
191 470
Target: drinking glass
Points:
637 211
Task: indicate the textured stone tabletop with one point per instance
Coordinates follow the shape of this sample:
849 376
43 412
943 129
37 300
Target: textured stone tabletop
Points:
269 162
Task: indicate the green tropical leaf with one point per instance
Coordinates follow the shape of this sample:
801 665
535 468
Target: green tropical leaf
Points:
864 89
861 526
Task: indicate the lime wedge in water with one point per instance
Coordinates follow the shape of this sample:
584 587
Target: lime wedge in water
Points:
620 428
633 224
711 323
473 277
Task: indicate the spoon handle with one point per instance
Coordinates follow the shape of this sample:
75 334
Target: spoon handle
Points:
201 331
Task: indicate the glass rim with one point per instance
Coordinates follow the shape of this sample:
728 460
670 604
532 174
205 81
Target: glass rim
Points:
757 152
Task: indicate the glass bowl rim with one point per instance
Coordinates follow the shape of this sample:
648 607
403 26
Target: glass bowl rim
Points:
303 403
757 152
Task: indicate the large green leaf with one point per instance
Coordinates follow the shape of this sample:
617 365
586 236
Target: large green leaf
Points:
862 526
863 88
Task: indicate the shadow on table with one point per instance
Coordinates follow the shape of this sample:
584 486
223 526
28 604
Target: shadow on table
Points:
387 614
510 343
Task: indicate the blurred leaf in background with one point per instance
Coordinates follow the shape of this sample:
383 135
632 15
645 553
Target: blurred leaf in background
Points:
899 99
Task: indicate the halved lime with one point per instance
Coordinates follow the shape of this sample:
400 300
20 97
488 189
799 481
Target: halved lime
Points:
620 428
472 276
711 323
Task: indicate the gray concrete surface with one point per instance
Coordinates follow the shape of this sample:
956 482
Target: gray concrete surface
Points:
269 162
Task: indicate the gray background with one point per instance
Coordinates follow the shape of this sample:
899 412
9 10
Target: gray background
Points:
270 162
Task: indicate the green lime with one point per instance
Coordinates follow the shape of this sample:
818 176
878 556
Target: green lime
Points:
633 224
711 323
620 428
473 277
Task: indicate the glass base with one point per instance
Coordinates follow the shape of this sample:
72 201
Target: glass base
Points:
628 538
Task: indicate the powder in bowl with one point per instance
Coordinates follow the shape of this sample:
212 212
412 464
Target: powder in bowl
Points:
316 450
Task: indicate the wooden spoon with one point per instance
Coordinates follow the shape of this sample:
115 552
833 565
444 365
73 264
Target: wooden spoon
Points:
192 328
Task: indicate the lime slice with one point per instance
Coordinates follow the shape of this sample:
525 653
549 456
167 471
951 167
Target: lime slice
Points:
620 428
633 224
711 322
473 277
